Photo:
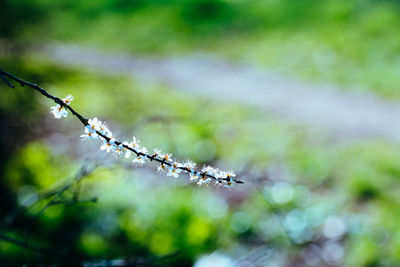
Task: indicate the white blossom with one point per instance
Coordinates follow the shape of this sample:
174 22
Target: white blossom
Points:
90 134
230 174
210 170
118 149
108 145
190 165
103 129
166 157
194 176
161 169
174 170
95 124
134 144
140 159
59 111
68 99
157 153
204 180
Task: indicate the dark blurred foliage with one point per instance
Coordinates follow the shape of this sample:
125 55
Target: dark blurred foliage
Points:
203 16
17 16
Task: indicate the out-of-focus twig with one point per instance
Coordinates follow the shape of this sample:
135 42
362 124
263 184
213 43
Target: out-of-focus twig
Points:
53 196
40 249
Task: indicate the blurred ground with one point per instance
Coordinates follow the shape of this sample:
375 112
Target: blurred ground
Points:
342 112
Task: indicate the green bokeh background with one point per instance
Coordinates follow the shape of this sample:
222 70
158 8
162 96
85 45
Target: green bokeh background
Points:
353 44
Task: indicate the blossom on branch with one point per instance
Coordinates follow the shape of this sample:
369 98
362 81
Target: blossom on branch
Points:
134 144
108 145
174 170
190 165
118 150
89 134
94 124
204 180
230 175
194 176
140 159
60 111
161 169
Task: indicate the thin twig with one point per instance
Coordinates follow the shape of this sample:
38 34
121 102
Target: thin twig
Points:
6 81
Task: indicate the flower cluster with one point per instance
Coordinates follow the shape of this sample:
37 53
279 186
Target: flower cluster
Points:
96 129
60 111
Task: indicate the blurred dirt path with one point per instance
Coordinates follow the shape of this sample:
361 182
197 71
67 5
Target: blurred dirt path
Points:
345 114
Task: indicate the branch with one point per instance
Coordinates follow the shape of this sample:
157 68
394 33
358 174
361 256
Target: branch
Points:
84 121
